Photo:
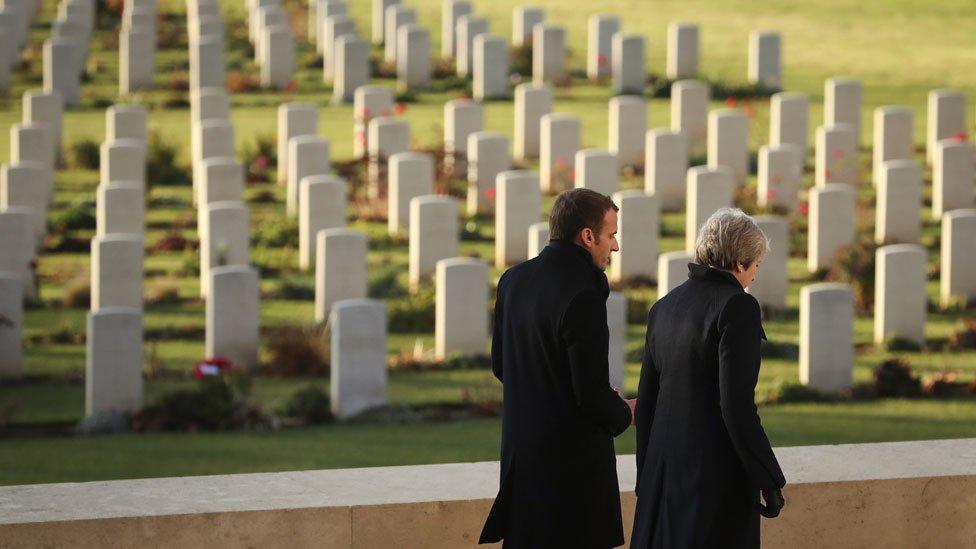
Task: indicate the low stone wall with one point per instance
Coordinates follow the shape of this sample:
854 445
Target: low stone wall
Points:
907 494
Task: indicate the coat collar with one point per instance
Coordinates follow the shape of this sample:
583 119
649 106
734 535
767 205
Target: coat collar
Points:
578 254
702 272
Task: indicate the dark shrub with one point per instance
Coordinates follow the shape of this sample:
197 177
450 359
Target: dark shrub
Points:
161 166
893 378
310 403
79 215
297 351
965 337
854 265
413 313
84 154
217 402
77 292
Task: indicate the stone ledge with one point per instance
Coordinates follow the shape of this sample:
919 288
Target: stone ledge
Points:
887 494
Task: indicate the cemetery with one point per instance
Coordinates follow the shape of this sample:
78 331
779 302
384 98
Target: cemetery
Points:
265 236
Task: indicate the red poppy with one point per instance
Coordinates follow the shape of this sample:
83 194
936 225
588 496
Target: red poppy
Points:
490 193
961 136
730 102
804 208
399 108
560 162
601 59
291 85
213 366
838 153
771 193
386 112
261 162
826 174
363 113
572 175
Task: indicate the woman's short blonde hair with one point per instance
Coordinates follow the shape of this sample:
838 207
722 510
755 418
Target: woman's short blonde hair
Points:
729 237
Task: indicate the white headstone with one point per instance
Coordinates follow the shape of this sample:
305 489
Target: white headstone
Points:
638 226
224 238
709 189
830 223
597 170
628 125
826 336
772 278
323 206
490 67
682 59
728 142
113 367
18 245
600 55
11 324
548 54
294 119
307 155
689 111
461 307
899 293
958 248
764 59
779 178
842 104
894 137
462 117
953 173
531 104
946 118
629 73
617 328
433 234
559 141
233 315
836 155
517 208
488 156
116 271
672 270
120 208
340 268
538 238
899 203
358 364
665 166
411 175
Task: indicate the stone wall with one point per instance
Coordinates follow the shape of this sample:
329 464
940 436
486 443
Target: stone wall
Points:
908 494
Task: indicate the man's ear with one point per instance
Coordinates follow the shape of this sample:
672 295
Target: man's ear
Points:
586 236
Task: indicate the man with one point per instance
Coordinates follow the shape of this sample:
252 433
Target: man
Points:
558 483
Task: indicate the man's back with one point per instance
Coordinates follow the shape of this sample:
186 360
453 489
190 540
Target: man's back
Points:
558 484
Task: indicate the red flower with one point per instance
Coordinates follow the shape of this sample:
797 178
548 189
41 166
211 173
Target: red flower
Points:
291 85
360 137
838 153
560 162
730 102
363 113
827 174
572 175
601 59
399 108
385 113
490 193
213 366
261 162
961 136
804 208
771 193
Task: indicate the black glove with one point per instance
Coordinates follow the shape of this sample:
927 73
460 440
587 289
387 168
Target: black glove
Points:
774 503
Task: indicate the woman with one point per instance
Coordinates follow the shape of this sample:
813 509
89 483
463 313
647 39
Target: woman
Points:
702 455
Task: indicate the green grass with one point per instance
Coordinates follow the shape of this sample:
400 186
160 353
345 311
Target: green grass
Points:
28 461
899 49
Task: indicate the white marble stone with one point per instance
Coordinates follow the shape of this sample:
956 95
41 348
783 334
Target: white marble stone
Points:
12 325
689 111
957 280
120 208
682 56
113 366
638 228
358 364
461 307
531 104
953 175
488 156
601 27
628 125
836 155
672 270
116 271
233 315
830 223
411 175
772 278
294 119
517 207
307 155
323 206
898 209
559 141
597 170
827 336
709 189
340 268
728 142
433 234
629 72
665 166
899 293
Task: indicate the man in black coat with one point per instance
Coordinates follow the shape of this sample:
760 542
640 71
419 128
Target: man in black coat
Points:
702 454
558 485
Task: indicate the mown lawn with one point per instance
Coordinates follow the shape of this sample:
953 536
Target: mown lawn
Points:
899 49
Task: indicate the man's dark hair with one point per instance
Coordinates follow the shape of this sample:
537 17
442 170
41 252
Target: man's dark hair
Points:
578 209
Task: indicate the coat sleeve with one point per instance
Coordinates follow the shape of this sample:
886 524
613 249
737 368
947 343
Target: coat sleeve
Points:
646 397
496 333
587 339
740 332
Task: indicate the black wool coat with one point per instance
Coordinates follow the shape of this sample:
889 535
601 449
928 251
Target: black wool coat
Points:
702 453
558 484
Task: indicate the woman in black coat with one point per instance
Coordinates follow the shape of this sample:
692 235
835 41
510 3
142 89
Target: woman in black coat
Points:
702 454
